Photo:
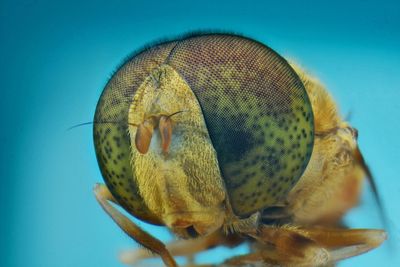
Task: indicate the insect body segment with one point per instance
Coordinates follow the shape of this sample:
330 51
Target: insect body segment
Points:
215 132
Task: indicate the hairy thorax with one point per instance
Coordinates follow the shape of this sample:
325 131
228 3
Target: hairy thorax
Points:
332 181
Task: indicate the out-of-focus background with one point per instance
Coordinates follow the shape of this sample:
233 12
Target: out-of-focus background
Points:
56 56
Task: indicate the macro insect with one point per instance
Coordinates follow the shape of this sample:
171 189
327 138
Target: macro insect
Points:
221 140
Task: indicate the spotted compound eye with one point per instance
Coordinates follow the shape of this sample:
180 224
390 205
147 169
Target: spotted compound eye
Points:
255 107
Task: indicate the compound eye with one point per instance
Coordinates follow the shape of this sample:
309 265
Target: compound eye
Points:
257 112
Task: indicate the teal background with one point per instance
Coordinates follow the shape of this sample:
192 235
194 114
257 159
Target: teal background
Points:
56 56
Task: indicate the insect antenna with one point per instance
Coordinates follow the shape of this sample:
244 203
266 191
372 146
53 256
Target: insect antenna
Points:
175 113
99 122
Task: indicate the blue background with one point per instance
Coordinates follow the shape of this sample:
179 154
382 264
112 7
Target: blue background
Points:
56 56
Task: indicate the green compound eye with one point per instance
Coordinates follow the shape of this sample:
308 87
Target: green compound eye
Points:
256 109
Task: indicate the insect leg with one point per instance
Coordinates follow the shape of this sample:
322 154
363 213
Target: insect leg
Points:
290 246
103 196
345 243
188 247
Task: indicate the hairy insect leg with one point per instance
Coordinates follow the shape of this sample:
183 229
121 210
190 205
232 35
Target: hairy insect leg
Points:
187 248
289 246
345 243
103 196
279 246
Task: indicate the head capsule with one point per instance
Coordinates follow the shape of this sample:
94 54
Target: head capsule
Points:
255 108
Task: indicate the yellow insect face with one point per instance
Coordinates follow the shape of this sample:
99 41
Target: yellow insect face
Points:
215 132
177 174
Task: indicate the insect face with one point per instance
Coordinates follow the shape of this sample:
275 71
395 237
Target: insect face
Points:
213 134
175 167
